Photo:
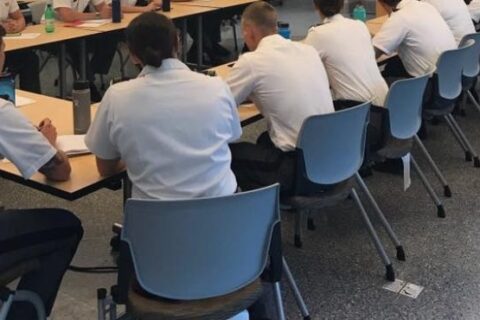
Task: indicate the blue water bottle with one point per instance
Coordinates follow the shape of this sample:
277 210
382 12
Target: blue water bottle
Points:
359 12
284 29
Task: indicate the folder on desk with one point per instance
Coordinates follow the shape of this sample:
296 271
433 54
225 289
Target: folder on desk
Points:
72 145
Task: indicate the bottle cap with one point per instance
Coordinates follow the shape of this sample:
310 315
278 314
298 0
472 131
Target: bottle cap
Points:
81 85
282 24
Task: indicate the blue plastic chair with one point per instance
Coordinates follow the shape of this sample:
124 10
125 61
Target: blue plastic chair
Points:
327 168
471 69
404 105
8 297
448 86
198 251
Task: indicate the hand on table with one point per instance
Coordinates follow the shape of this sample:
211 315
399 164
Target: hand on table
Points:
48 130
152 6
12 26
106 12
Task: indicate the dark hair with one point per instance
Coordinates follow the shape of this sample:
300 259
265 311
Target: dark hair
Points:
329 7
2 34
263 15
152 37
391 3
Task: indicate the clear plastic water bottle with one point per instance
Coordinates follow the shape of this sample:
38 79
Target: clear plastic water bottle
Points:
284 29
81 107
49 19
359 12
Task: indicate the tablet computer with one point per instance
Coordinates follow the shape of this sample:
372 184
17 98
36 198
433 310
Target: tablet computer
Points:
7 87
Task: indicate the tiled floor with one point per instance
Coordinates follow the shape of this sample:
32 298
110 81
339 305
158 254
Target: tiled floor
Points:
338 271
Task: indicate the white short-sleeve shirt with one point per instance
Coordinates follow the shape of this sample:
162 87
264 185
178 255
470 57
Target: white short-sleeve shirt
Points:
287 82
456 15
171 127
345 47
474 9
76 5
7 7
419 35
20 141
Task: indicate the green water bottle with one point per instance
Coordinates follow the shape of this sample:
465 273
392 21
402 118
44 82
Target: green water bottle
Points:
49 19
359 12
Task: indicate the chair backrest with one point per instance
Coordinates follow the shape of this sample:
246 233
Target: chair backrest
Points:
450 70
404 104
37 8
471 66
200 248
333 144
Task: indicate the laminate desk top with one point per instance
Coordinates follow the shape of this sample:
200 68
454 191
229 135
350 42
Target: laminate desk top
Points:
61 34
374 25
84 178
219 4
177 11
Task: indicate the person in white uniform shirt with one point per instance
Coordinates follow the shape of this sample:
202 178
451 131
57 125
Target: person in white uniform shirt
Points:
474 9
170 126
47 236
417 32
25 63
345 47
102 47
288 83
456 15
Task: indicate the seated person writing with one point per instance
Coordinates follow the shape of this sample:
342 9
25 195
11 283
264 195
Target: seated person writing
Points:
22 62
288 83
49 236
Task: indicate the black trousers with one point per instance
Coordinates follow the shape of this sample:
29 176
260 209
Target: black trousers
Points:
50 236
25 64
262 164
102 49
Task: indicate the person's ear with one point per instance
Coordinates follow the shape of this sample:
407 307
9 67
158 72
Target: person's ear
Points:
135 60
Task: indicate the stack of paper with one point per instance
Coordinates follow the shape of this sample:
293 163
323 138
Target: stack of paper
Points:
72 145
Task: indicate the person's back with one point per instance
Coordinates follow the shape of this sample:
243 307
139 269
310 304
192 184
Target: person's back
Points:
456 15
171 128
346 50
418 33
289 84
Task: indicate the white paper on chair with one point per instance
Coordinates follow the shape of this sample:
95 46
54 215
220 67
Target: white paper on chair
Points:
94 23
72 144
24 36
407 181
23 101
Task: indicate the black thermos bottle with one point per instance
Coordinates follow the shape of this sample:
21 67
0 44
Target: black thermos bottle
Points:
116 11
166 5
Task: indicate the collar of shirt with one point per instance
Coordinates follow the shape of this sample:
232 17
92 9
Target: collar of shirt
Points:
333 18
271 40
167 64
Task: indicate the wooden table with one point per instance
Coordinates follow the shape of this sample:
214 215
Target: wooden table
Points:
219 4
379 10
84 178
374 25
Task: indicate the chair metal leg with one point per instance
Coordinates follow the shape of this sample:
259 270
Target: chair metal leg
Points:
278 301
34 299
386 225
468 155
6 307
473 100
235 40
296 292
431 192
476 160
446 189
310 222
390 274
299 214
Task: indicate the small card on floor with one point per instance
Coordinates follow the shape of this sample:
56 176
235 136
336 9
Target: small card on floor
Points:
404 288
395 286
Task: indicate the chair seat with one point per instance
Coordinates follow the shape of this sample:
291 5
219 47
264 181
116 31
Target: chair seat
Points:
18 270
144 306
329 197
395 148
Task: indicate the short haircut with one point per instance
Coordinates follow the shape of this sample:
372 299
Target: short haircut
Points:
262 15
329 7
152 37
391 3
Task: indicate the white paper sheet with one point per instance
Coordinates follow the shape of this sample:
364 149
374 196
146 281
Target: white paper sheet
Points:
94 23
23 36
407 181
23 101
72 144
